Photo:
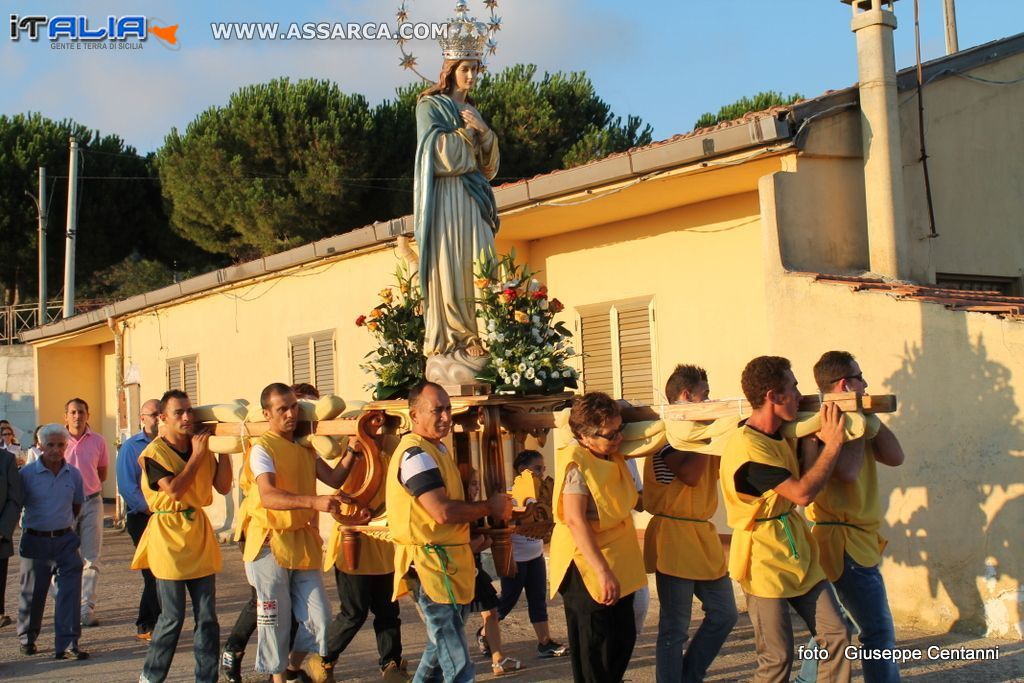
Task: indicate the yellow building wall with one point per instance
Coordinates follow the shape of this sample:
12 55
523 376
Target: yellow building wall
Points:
975 142
702 264
952 511
241 335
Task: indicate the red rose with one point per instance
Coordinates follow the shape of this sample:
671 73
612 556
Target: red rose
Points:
509 295
360 321
557 306
541 293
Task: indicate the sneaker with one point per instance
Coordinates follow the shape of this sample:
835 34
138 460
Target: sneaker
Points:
4 620
395 673
72 653
551 649
28 649
144 636
89 619
300 675
231 666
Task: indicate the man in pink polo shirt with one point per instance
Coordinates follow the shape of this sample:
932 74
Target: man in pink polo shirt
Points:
87 451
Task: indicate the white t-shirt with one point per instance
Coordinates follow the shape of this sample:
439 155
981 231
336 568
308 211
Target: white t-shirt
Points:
260 462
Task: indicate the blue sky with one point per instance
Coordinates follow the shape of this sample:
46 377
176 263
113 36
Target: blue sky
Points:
665 61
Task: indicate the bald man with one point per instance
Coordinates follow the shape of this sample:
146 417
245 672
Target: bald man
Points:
129 475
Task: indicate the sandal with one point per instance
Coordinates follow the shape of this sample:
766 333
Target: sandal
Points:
506 666
481 641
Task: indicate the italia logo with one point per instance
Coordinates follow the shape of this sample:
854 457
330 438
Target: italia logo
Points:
80 28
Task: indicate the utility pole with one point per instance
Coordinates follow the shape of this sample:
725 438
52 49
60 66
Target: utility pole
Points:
949 11
72 224
42 246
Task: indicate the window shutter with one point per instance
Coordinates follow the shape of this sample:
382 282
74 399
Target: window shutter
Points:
323 354
301 361
190 370
636 373
174 375
596 337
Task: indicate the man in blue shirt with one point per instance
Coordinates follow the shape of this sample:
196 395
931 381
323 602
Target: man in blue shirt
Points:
54 495
128 486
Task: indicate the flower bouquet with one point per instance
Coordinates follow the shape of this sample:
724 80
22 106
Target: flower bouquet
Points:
396 324
528 350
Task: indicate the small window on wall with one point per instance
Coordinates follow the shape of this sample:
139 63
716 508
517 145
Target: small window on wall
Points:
312 360
616 339
1007 286
183 374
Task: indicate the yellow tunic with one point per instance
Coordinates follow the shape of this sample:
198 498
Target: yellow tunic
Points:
440 552
376 556
772 554
681 540
293 535
178 543
614 492
847 517
244 485
525 487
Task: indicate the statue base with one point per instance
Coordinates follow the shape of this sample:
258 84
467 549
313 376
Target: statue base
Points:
456 368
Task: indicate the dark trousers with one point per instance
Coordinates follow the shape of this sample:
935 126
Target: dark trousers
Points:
44 558
245 626
149 606
533 576
3 583
360 594
601 638
203 592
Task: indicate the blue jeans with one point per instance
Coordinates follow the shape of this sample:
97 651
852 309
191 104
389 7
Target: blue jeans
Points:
205 641
862 595
446 655
676 598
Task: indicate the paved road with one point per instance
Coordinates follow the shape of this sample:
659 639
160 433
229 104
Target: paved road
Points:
117 655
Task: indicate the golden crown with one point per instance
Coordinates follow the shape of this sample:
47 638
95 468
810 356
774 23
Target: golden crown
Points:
464 38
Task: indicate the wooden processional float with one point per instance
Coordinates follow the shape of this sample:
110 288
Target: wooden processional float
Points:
482 424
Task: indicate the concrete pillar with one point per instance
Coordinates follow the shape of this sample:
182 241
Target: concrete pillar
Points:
880 124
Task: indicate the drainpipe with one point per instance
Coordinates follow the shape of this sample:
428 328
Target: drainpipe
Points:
119 511
880 125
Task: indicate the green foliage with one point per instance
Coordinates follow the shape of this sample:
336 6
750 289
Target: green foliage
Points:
762 100
271 170
115 216
553 122
396 325
131 276
528 349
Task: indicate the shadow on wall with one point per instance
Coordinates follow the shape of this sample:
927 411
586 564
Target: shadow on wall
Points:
965 529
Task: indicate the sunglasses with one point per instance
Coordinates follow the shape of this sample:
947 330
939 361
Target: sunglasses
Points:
611 436
859 377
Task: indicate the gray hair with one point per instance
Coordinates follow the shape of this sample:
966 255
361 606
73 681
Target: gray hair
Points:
52 429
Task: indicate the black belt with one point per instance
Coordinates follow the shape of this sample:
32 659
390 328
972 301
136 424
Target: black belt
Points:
93 495
48 534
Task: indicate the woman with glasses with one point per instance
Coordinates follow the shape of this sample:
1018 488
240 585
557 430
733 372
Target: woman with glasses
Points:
596 563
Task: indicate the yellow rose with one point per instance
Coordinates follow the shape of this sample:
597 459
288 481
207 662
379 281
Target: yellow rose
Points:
386 295
522 317
373 325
